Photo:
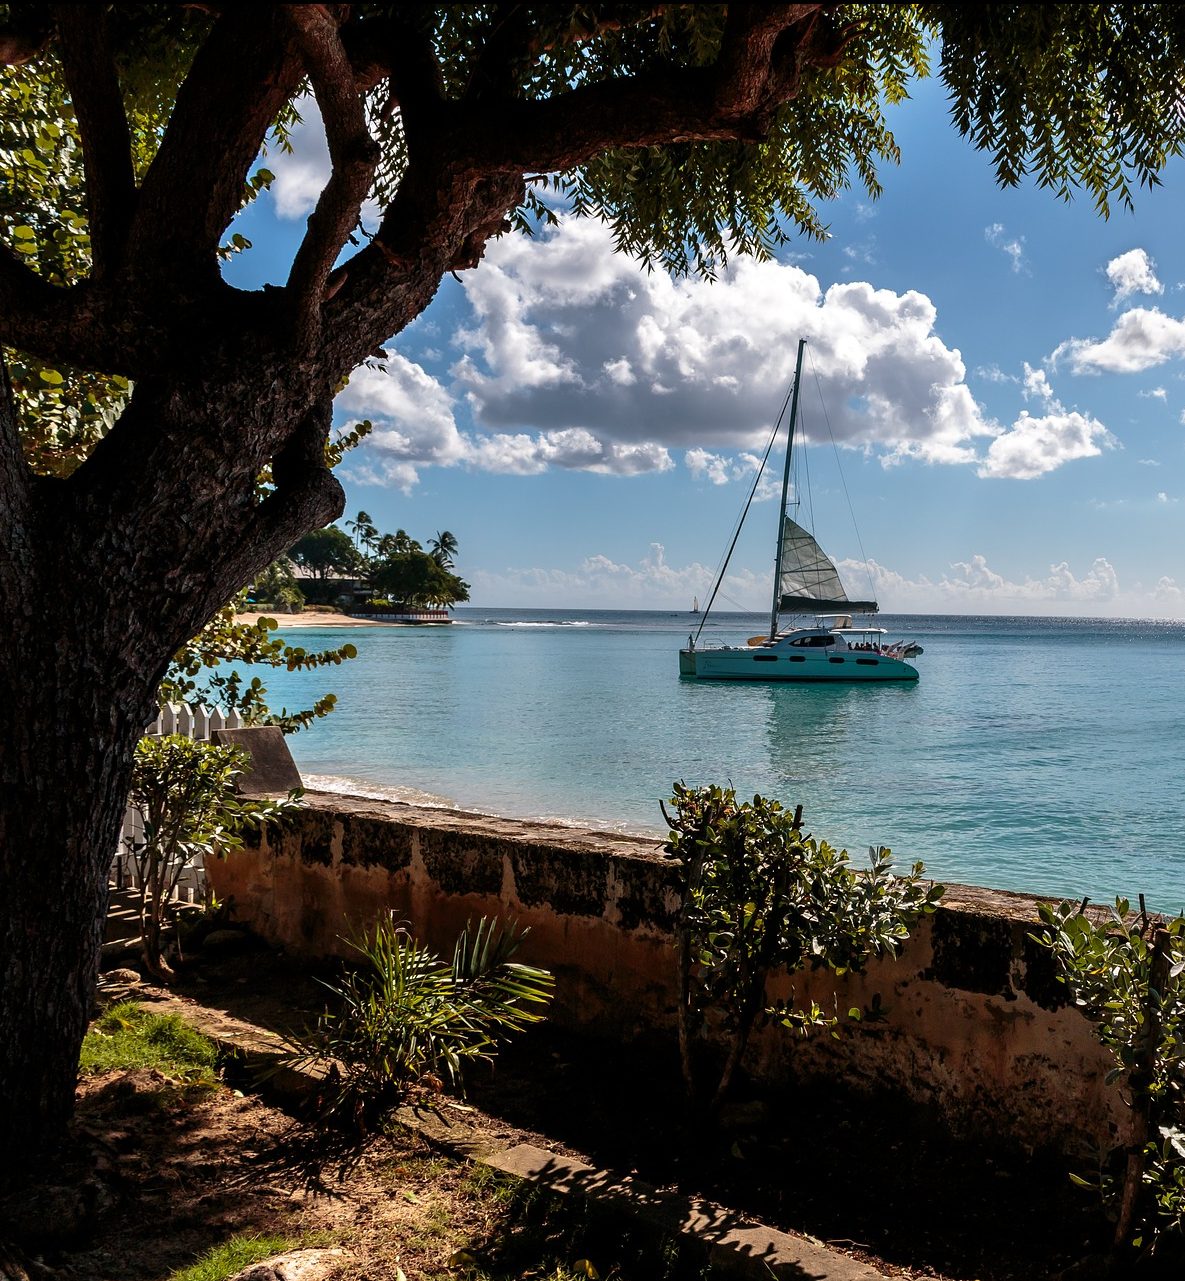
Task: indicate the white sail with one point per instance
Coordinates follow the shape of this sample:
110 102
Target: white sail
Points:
810 581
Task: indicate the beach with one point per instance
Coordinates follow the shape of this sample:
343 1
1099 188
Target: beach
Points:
288 621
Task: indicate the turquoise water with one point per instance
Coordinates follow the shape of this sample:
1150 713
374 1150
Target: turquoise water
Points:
1045 755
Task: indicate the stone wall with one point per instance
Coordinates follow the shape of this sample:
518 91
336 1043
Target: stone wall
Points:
976 1026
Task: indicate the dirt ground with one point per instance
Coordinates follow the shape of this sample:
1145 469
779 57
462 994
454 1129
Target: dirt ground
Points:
165 1173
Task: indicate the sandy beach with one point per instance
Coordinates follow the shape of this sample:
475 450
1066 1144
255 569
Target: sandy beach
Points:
289 621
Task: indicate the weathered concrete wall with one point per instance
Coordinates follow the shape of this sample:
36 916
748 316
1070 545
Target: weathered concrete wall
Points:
975 1025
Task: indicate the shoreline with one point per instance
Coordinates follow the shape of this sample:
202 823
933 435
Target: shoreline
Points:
285 621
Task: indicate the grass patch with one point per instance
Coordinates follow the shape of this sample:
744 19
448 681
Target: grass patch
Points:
128 1036
233 1256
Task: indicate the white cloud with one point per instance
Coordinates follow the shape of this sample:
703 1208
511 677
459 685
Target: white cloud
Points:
599 581
972 586
562 319
1033 446
1141 338
1132 273
994 374
576 357
965 587
1036 384
1153 393
708 466
1014 248
414 422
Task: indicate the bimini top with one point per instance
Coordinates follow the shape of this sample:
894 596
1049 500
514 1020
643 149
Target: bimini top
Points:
810 583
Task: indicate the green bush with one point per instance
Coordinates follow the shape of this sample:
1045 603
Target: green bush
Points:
406 1016
184 790
1124 971
757 895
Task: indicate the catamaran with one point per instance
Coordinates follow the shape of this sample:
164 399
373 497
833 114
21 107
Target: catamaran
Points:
806 582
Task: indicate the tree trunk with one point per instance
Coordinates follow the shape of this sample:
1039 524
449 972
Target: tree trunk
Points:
102 577
65 764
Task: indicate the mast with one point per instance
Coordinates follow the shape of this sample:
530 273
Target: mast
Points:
773 618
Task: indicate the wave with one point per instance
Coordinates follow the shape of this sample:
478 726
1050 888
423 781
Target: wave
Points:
369 790
556 622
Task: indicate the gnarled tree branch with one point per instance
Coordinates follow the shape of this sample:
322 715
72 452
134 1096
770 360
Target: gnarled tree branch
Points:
352 151
25 300
103 129
241 77
25 35
492 142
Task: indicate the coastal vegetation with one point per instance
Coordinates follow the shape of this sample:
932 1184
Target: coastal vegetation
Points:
392 569
143 398
1125 970
405 1016
759 896
395 566
185 793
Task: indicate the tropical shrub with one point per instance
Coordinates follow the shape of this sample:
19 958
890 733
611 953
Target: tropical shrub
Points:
405 1015
757 894
184 791
1124 971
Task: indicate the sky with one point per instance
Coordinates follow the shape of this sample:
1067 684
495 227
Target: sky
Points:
993 404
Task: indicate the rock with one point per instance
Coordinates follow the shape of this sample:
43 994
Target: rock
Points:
296 1265
125 977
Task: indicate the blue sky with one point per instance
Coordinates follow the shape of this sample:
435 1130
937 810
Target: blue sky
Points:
1001 373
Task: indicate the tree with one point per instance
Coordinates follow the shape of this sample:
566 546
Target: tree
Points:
144 397
364 531
327 553
443 548
275 588
412 577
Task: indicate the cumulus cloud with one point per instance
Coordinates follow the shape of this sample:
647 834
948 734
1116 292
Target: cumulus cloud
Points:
1034 446
1153 393
577 357
1140 339
415 426
969 586
1036 384
1132 273
1013 247
599 581
972 586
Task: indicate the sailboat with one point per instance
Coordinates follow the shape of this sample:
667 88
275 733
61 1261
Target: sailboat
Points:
806 582
695 604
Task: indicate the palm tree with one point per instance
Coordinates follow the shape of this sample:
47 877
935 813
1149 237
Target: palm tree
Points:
364 530
442 548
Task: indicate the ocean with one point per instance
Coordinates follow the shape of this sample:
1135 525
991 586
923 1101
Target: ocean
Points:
1034 754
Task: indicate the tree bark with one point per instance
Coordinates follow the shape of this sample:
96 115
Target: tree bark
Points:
65 766
103 576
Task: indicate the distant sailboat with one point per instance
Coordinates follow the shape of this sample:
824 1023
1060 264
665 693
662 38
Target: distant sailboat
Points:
695 604
806 581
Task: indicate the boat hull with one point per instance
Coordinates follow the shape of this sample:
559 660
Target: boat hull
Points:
749 664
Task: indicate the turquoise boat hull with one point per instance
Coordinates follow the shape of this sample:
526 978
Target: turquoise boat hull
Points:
743 663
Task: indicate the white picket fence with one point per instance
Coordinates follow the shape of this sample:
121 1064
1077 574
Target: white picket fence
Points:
193 722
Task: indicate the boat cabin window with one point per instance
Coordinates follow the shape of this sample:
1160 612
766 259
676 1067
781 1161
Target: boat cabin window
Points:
813 642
